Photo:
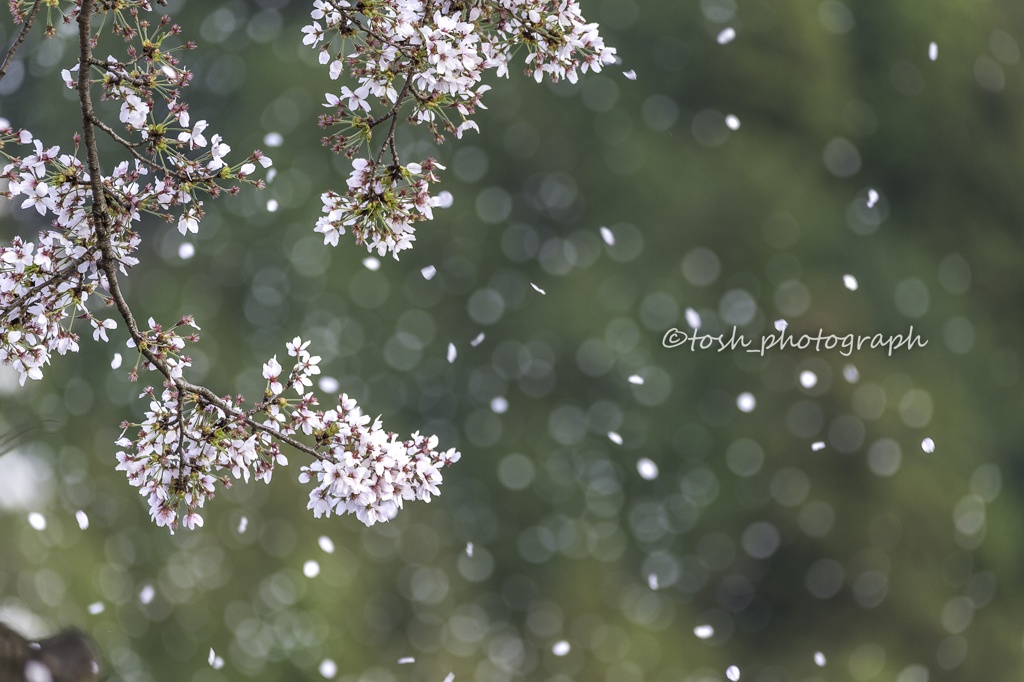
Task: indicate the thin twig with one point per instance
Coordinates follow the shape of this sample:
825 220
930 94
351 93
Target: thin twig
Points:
21 37
61 274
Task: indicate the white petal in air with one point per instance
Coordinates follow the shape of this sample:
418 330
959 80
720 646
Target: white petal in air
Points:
273 139
186 250
652 581
819 658
328 384
311 569
537 289
780 325
326 544
83 519
608 236
733 122
636 379
428 272
147 594
477 340
215 661
499 405
328 668
818 445
808 379
872 198
561 648
704 631
116 362
933 51
631 74
243 523
692 318
928 445
452 353
647 469
406 660
96 608
469 549
272 206
851 374
850 282
733 673
371 263
445 199
746 402
450 677
37 521
615 438
726 36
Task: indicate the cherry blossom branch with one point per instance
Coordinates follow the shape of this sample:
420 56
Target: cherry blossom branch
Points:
57 276
108 262
21 37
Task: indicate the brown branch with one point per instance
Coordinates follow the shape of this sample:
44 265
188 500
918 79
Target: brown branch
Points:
61 274
108 262
390 141
21 37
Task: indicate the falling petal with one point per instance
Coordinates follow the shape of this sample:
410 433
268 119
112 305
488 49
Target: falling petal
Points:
615 438
819 658
469 549
808 379
851 374
933 51
733 122
928 445
186 250
652 581
83 519
850 282
116 362
96 608
647 469
499 405
704 631
561 648
328 384
746 402
326 544
780 325
243 523
636 379
692 318
726 36
477 340
631 74
428 272
147 594
371 263
311 569
733 673
872 198
407 659
272 206
328 668
37 521
608 236
818 445
452 353
537 289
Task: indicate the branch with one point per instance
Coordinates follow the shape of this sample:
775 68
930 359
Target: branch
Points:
108 262
59 275
390 141
21 37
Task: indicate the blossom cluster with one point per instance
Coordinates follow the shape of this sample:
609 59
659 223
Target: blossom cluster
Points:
45 285
434 55
185 446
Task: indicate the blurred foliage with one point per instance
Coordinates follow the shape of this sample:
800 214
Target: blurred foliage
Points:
879 555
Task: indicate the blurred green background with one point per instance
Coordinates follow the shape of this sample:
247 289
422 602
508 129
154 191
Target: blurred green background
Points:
894 563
